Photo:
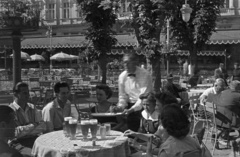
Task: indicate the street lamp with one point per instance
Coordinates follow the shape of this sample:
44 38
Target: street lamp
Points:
186 11
186 14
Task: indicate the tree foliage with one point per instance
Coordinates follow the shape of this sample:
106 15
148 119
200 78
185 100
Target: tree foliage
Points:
100 14
149 21
194 34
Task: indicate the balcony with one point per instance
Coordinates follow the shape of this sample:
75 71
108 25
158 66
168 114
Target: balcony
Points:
227 11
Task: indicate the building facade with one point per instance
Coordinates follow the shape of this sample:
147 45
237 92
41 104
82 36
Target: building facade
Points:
63 28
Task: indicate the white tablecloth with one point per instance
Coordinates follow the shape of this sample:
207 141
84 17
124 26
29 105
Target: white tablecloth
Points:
52 144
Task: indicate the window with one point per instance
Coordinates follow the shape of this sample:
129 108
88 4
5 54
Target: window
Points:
66 9
226 3
50 14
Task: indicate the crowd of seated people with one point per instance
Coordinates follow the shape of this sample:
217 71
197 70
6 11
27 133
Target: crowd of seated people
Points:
155 116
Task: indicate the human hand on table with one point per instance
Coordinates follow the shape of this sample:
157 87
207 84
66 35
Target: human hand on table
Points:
115 109
128 111
129 133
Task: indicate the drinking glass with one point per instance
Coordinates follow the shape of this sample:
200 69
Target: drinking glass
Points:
103 131
66 130
79 130
72 128
108 128
85 128
94 128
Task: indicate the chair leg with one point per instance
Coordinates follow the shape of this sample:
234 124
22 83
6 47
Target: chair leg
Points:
215 138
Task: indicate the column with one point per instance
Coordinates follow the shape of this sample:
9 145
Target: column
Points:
231 4
16 37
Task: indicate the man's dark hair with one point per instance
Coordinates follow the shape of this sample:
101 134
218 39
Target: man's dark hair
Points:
106 89
165 99
132 56
175 121
149 96
59 85
6 113
18 86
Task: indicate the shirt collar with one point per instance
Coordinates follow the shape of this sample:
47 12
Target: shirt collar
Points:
154 116
56 104
17 107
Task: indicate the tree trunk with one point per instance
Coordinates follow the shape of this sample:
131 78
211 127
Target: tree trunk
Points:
103 65
156 68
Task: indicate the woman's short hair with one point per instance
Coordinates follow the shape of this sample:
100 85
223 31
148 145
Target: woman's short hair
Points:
106 89
164 98
16 88
59 85
175 121
149 96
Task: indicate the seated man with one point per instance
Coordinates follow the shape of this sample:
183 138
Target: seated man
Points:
54 112
228 102
28 119
7 131
218 87
174 90
208 94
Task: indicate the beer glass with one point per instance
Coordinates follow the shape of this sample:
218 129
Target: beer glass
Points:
85 128
103 131
72 128
94 128
79 131
66 130
108 128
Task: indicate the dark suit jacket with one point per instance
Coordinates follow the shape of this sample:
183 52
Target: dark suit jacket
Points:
172 89
236 74
228 103
220 74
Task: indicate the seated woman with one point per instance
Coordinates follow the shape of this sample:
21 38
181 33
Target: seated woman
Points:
149 122
150 116
103 93
177 126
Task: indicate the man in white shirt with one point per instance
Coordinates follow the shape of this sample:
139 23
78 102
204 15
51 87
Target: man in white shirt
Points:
218 87
55 111
133 82
28 120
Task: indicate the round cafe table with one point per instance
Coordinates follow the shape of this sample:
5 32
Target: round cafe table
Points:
54 143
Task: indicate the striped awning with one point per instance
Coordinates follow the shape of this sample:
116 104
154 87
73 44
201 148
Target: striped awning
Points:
201 53
225 37
178 53
72 42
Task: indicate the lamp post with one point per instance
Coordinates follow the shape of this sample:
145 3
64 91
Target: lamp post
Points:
49 33
186 14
